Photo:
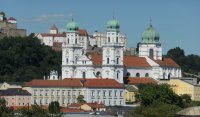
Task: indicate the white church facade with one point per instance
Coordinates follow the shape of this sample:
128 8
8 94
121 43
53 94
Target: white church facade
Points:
112 63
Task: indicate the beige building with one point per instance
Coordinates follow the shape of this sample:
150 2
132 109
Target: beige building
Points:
186 86
16 97
8 27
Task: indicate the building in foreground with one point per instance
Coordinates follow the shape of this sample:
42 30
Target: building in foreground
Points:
16 97
106 91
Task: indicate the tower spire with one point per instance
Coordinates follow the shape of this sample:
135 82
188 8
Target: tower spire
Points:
150 22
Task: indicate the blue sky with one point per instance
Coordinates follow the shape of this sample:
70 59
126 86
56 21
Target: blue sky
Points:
178 21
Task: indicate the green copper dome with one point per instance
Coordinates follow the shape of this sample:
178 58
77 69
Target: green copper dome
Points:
150 35
72 26
113 24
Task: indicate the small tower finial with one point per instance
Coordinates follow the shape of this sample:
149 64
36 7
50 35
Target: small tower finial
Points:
113 14
150 22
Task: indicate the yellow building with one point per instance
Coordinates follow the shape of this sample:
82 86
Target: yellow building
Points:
130 91
181 87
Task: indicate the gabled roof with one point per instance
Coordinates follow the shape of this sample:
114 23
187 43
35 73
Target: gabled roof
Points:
129 61
134 61
102 83
167 62
53 35
14 91
68 82
83 32
141 80
70 110
130 88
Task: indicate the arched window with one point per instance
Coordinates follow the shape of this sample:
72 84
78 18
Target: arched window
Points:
151 53
67 60
83 74
137 74
116 39
98 74
68 40
76 41
117 60
147 75
108 39
118 74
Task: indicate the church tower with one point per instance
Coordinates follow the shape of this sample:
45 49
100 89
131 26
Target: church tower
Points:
112 66
71 50
150 45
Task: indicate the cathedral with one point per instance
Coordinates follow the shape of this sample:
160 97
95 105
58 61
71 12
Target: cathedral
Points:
112 63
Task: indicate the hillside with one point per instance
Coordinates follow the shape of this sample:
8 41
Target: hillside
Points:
22 59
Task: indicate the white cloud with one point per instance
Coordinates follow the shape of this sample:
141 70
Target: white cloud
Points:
52 18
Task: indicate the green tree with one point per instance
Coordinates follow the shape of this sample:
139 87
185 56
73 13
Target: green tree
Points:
5 111
151 93
34 111
156 110
80 99
54 108
24 59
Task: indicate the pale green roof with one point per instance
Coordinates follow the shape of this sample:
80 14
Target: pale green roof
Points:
113 24
150 35
72 26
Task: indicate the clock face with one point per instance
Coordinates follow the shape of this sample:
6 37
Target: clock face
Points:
107 50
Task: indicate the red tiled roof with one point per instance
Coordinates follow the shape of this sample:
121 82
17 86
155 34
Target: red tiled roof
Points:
69 110
134 61
83 32
11 18
53 35
96 105
141 80
68 82
167 62
103 83
97 59
75 105
129 61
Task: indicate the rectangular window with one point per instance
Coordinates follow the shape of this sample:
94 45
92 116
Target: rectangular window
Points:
110 93
107 60
98 93
121 92
117 60
92 93
115 93
104 93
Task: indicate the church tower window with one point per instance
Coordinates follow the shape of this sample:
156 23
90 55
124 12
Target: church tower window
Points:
76 41
84 75
108 39
117 60
116 39
151 53
67 60
107 60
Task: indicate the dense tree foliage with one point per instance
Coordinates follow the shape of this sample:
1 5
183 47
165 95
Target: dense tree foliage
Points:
80 99
5 111
189 63
24 59
160 101
33 111
152 93
54 108
156 109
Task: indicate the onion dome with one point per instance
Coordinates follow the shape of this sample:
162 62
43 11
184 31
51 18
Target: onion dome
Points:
113 24
150 35
72 26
